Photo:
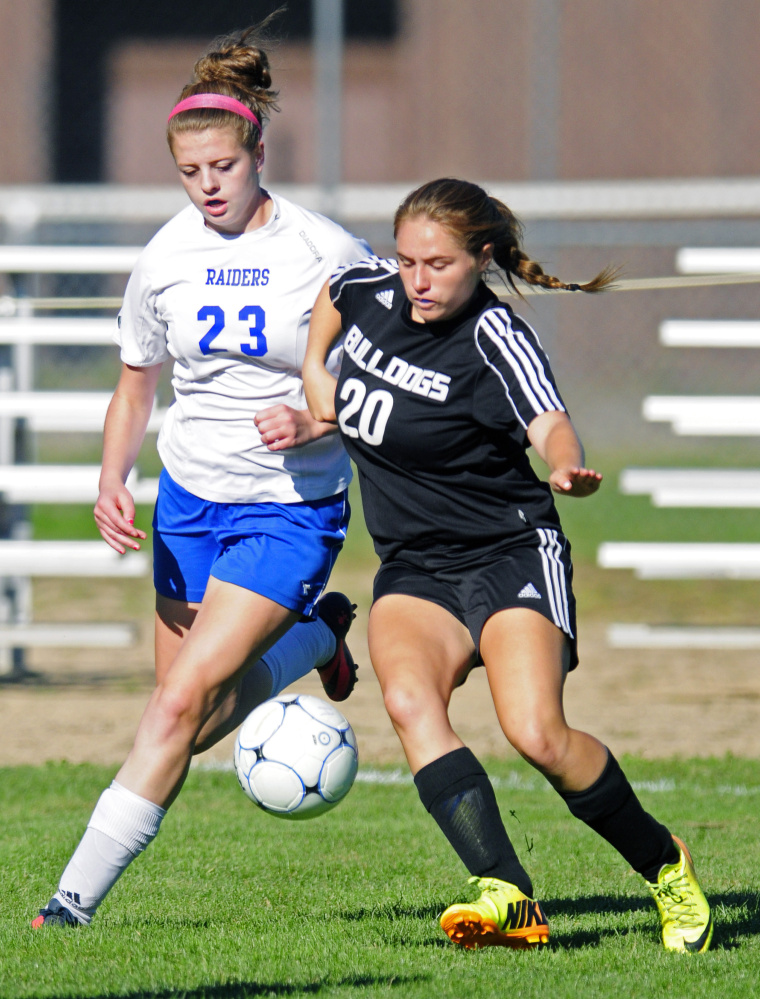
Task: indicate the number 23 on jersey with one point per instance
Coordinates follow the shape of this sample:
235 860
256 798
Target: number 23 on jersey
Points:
256 346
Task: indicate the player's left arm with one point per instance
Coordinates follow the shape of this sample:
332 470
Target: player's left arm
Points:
554 438
283 427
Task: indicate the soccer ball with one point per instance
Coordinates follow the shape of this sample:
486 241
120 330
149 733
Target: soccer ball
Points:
296 756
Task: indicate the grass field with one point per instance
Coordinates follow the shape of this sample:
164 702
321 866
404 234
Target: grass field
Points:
230 903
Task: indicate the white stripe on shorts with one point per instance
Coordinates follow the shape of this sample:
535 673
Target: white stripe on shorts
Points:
550 550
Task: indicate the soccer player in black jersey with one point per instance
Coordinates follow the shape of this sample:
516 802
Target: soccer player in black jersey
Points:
442 390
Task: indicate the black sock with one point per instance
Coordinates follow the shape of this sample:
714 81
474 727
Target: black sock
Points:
455 789
611 808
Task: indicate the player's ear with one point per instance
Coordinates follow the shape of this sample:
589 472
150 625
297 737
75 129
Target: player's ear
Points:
259 161
485 257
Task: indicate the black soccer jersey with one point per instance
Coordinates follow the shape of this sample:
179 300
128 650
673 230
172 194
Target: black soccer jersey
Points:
435 415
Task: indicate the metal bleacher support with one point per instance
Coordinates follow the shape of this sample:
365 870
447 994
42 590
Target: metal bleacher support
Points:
25 412
693 487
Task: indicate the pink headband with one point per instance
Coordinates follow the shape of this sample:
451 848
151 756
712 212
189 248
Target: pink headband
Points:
215 101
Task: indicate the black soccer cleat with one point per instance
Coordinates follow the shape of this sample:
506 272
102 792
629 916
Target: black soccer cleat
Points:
55 915
338 675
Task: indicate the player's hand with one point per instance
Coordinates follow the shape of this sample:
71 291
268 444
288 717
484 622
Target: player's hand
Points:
115 517
283 427
575 481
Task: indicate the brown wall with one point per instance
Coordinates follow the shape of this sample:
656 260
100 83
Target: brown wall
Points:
25 47
661 89
643 89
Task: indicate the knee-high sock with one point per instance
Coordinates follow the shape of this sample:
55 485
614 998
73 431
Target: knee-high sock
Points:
306 645
120 828
610 807
455 789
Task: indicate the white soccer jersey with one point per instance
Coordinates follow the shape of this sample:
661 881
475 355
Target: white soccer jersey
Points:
233 312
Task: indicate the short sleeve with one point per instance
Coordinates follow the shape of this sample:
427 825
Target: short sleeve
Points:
141 331
353 276
350 249
516 383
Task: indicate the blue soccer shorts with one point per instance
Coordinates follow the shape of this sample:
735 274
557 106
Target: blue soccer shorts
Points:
284 551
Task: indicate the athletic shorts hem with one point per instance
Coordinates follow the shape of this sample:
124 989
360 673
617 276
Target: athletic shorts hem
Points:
473 586
285 552
306 607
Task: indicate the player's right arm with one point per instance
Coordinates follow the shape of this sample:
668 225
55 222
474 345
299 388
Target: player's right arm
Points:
325 327
123 433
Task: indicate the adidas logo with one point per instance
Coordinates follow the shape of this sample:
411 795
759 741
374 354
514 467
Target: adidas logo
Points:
385 297
73 899
529 592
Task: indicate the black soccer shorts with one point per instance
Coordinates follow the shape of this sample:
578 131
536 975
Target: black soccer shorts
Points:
472 583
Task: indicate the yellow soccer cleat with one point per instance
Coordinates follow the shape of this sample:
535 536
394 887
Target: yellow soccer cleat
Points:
687 924
502 917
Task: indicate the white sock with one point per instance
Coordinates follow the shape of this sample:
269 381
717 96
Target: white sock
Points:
300 650
120 828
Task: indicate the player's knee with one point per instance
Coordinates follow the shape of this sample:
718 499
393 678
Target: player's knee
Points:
177 710
544 747
406 705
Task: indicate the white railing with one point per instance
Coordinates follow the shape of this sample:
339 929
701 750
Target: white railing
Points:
22 408
728 488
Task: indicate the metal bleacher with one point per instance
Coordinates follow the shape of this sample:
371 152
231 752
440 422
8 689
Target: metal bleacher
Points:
26 411
695 487
573 212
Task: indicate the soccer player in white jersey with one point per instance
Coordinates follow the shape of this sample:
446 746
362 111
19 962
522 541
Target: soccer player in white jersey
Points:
252 507
441 392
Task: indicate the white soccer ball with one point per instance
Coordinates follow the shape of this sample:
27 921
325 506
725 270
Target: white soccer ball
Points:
296 756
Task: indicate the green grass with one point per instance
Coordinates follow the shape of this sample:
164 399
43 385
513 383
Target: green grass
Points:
611 516
229 903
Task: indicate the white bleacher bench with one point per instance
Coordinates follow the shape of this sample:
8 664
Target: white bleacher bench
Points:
67 635
68 259
69 558
60 330
668 636
64 484
55 412
707 415
64 412
685 487
694 487
682 560
705 333
720 260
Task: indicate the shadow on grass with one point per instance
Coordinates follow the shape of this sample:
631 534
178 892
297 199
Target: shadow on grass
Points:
736 916
393 911
244 990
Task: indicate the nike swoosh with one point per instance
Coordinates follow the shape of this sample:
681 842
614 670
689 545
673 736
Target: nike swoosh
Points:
697 945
